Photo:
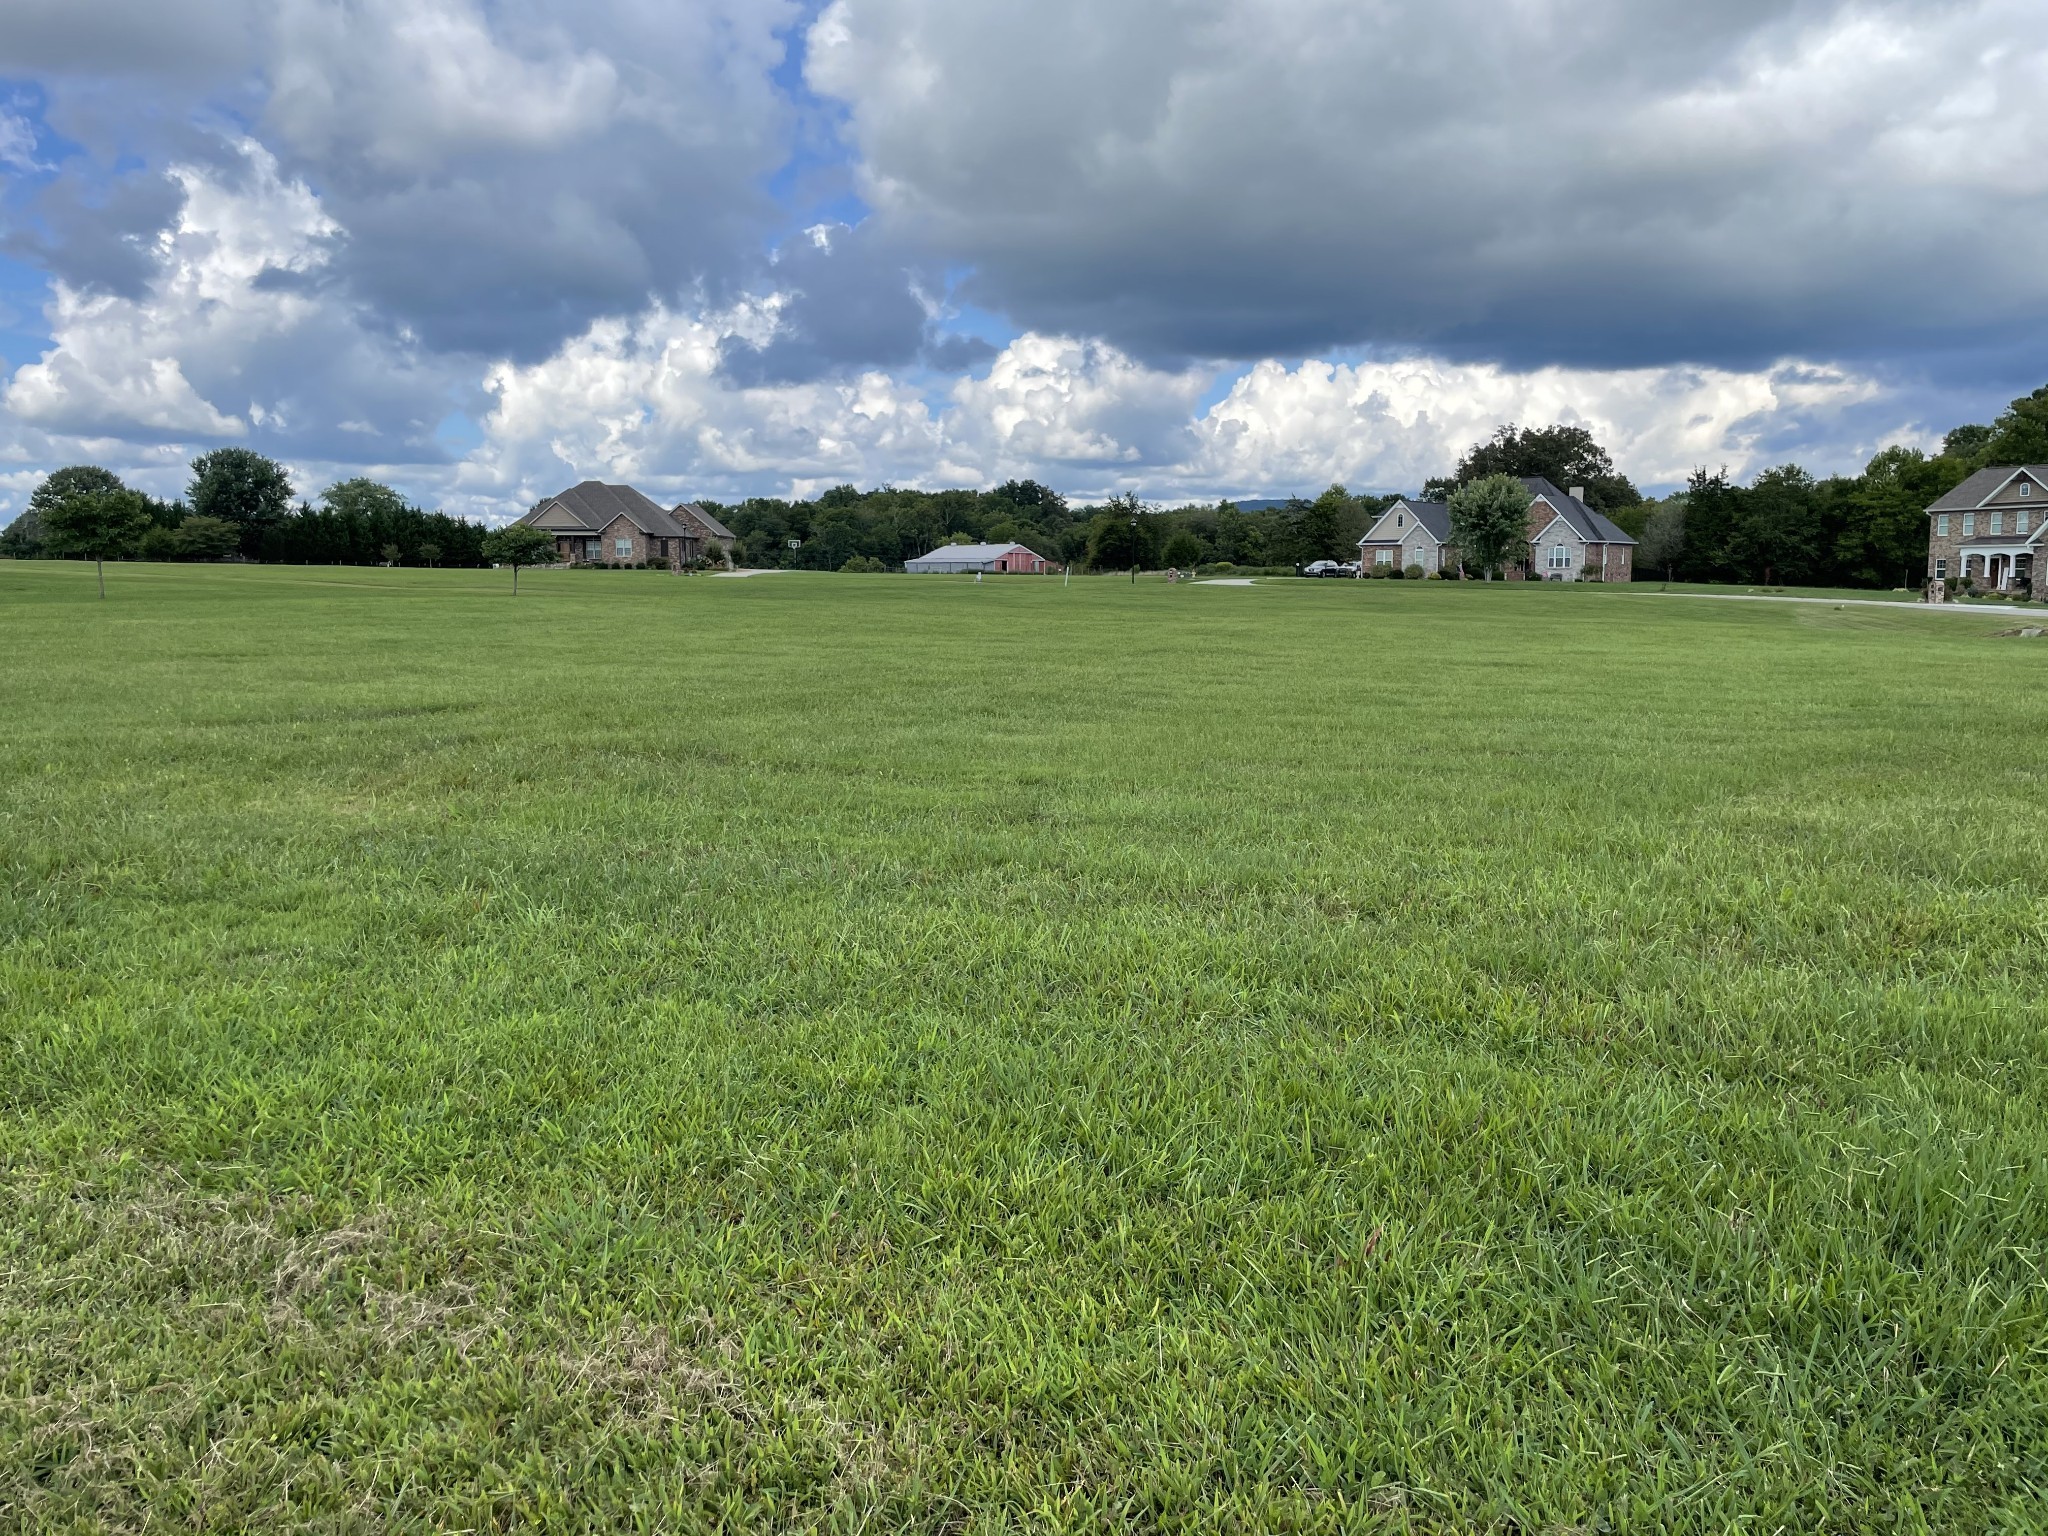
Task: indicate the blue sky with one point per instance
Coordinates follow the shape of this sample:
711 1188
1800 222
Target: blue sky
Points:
483 248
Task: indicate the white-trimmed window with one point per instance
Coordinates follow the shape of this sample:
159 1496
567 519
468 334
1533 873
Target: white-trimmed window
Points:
1420 557
1560 557
1941 525
591 547
622 549
1941 570
2026 487
1383 557
2019 522
1998 522
1400 519
1969 524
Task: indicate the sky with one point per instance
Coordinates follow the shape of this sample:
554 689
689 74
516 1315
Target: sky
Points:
483 249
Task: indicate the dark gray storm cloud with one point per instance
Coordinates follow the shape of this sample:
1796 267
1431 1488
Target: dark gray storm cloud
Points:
853 300
100 238
1596 183
504 175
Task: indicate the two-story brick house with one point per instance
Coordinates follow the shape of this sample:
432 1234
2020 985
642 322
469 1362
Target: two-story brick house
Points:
598 524
1568 540
1990 529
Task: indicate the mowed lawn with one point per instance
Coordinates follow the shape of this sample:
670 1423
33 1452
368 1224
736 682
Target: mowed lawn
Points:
882 1053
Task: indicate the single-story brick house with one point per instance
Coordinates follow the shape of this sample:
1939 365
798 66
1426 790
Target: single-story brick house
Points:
1004 559
1990 528
1568 540
598 524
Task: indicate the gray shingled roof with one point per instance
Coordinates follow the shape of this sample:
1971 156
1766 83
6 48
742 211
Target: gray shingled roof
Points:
597 506
712 525
1434 516
1981 486
1589 525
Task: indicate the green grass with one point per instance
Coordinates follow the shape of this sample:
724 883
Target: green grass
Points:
881 1054
1866 594
1860 594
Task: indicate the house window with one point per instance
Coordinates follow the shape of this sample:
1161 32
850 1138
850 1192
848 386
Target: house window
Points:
1941 526
1421 557
590 549
2019 521
1560 557
2026 488
1969 524
1400 519
1998 522
622 549
1941 570
1383 557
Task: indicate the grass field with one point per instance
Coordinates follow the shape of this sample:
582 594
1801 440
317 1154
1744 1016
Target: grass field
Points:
876 1053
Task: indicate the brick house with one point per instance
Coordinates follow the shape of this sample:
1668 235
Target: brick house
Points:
1410 532
997 559
1990 528
598 524
1568 540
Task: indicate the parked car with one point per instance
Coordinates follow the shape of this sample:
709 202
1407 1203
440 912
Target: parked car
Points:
1347 568
1323 568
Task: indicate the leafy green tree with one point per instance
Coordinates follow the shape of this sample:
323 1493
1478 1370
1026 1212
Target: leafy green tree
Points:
23 538
1320 527
2020 435
430 553
1965 442
242 487
205 538
57 488
1883 538
1663 539
1183 550
1490 523
1239 539
1777 537
365 498
517 545
1565 456
1713 510
98 525
1123 536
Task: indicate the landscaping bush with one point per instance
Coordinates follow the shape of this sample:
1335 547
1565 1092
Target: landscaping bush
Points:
863 565
1414 573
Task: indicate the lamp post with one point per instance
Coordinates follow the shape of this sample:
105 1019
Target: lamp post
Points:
1134 549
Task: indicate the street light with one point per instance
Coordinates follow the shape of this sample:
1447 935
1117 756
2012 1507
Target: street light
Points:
1134 549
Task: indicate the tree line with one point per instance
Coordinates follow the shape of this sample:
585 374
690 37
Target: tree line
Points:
847 528
237 504
1869 530
1785 526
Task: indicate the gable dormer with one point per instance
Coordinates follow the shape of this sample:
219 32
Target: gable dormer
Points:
2026 486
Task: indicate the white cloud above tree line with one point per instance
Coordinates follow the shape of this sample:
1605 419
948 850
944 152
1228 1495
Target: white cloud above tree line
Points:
1184 247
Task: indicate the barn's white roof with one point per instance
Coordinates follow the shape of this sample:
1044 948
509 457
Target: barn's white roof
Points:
969 554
